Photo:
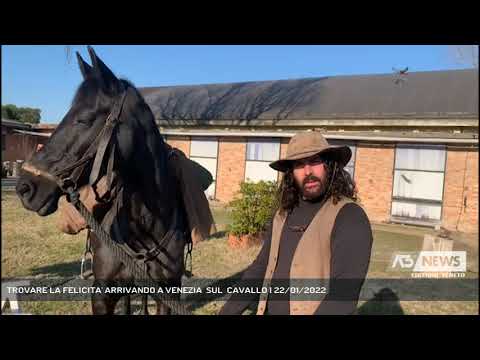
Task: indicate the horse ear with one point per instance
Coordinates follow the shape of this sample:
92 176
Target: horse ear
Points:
103 73
84 67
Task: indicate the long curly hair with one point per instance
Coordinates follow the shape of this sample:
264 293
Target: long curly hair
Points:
339 183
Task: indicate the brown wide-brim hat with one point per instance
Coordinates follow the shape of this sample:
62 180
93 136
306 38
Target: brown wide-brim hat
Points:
306 144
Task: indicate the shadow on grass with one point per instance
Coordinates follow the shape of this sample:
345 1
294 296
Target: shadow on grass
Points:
385 302
59 270
71 269
218 235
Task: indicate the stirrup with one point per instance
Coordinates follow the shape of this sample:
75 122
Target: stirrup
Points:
85 275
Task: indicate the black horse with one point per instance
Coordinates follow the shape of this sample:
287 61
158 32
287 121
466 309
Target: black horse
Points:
110 131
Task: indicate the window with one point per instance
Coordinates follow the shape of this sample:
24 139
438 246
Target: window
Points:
204 151
260 153
350 167
418 182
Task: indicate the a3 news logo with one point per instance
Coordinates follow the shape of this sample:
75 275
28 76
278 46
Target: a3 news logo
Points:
430 261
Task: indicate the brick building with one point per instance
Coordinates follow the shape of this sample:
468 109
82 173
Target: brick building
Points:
414 139
19 140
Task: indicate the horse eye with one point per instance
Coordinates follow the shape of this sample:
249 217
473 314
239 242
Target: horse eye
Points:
83 121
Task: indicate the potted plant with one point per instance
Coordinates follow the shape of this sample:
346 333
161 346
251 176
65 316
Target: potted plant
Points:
251 212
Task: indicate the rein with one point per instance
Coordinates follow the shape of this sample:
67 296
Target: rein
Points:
67 180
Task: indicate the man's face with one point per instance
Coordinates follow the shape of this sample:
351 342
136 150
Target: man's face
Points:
310 176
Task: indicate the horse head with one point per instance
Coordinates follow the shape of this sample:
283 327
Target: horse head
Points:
108 129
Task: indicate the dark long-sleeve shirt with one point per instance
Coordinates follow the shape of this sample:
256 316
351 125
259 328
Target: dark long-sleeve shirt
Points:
351 243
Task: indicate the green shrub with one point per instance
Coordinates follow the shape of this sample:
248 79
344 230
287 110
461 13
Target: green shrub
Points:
254 208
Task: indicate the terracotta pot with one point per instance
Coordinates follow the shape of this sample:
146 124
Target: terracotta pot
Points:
233 241
244 241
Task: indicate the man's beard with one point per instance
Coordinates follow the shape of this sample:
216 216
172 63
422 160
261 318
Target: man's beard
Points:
312 191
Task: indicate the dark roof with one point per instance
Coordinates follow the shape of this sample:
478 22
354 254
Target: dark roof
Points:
452 93
33 133
15 124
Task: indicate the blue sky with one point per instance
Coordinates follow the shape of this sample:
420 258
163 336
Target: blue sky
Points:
42 76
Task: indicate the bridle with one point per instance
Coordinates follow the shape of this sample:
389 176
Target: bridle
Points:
67 178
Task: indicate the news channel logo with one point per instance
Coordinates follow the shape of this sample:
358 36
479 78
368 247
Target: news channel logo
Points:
445 264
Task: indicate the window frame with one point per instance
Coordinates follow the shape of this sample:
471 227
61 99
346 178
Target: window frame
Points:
192 157
254 139
354 144
419 201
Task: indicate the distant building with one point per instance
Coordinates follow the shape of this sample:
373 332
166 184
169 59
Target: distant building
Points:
414 142
19 140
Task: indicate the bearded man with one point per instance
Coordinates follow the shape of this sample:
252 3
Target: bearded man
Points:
319 232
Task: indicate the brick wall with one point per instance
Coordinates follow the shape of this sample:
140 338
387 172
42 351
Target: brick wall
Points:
180 142
283 152
230 167
374 179
283 146
20 146
460 198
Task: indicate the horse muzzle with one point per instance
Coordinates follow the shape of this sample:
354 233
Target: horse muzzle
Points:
37 194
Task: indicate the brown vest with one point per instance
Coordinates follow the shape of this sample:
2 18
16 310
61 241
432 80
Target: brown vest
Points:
311 259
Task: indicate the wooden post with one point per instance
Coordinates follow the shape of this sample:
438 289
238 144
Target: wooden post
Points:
14 169
436 243
11 299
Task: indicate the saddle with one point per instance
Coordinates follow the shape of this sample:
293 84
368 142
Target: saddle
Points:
193 180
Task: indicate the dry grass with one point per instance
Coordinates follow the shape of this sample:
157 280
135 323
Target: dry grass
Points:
33 247
31 243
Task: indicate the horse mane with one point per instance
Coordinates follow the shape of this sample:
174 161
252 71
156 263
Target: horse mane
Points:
157 154
148 173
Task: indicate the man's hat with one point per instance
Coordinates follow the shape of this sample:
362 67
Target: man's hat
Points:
306 144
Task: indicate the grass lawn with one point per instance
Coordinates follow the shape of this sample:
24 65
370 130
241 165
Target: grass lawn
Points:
33 247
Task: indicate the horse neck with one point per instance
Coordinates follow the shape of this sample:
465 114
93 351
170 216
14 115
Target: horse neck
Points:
155 183
147 172
141 214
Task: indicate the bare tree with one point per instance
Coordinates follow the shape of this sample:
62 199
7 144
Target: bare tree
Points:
465 54
68 53
69 49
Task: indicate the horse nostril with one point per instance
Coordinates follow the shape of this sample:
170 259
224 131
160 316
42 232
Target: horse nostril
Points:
23 189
